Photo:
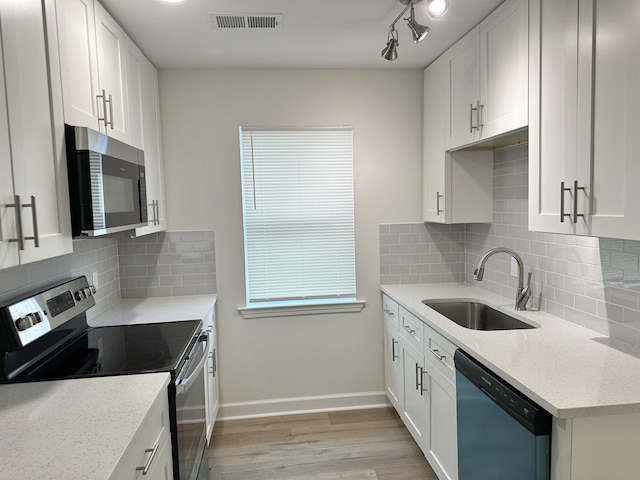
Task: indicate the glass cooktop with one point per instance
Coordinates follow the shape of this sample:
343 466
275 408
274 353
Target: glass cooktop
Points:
123 349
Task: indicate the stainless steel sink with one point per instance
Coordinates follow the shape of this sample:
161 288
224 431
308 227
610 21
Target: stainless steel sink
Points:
476 316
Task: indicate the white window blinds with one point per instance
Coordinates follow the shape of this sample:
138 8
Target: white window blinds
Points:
298 213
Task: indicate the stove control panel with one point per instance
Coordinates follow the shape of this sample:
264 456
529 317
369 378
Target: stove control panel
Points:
35 316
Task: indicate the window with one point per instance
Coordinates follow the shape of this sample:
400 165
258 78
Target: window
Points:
298 216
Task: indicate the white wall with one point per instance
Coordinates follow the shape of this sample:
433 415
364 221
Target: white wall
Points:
292 357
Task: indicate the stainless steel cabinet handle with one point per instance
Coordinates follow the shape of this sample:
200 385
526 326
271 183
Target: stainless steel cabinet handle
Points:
562 214
147 464
215 362
409 329
157 212
34 220
104 107
438 209
479 110
389 312
110 102
20 239
423 389
575 201
436 354
471 125
420 379
394 357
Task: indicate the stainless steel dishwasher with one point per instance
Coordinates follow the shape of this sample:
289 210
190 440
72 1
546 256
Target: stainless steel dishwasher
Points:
502 435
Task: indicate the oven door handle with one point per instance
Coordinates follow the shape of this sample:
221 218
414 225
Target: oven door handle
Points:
184 384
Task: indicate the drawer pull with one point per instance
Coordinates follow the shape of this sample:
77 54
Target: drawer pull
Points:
389 312
147 464
409 329
436 354
394 357
420 380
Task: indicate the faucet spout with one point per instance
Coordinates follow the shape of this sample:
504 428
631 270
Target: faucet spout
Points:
524 292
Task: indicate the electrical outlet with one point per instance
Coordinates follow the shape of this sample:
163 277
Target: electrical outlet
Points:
94 279
514 267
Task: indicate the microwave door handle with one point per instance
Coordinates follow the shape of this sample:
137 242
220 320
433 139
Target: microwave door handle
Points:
184 384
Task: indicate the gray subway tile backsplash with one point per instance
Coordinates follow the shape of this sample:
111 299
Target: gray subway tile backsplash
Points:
158 265
168 264
593 282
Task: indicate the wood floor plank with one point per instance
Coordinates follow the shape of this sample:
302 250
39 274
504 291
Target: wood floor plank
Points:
356 445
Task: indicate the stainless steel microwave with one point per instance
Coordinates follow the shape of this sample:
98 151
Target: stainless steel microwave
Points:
106 183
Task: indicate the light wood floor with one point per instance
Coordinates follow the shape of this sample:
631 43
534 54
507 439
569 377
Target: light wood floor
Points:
362 444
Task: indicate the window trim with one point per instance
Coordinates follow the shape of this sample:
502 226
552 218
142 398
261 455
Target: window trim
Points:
252 312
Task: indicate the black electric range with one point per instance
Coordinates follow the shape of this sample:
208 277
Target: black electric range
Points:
45 336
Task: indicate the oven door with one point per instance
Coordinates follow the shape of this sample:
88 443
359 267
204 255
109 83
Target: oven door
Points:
191 427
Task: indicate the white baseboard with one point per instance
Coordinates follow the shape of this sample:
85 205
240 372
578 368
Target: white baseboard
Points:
292 406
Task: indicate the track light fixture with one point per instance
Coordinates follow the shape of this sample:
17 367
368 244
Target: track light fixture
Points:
418 31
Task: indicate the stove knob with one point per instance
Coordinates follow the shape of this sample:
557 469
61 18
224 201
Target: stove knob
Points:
80 295
35 318
24 323
94 290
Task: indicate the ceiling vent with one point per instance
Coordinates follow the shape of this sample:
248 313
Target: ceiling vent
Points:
234 21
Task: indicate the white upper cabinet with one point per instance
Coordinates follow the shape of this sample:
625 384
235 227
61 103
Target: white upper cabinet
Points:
463 60
154 166
78 55
101 71
436 86
488 72
615 208
457 186
582 168
555 163
504 70
33 186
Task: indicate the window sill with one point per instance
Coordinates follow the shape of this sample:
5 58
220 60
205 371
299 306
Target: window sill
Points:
249 313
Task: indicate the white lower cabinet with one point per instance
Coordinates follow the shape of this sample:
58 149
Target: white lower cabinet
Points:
149 453
392 365
443 438
414 411
211 390
420 384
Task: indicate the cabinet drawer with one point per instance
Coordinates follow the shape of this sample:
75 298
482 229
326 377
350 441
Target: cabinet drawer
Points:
151 436
439 352
412 329
390 310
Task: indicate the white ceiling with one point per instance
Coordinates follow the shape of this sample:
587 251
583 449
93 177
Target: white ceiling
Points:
315 34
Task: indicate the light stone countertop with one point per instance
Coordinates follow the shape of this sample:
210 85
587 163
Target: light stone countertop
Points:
155 310
569 370
72 429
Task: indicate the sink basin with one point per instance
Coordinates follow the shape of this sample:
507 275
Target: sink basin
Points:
476 316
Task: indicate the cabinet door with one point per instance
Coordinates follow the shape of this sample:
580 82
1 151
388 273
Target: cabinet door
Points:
35 132
616 120
112 68
464 87
134 62
504 69
414 401
8 250
75 20
436 92
443 438
154 165
559 91
392 367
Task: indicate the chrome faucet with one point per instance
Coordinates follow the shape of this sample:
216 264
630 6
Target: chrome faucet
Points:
524 291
